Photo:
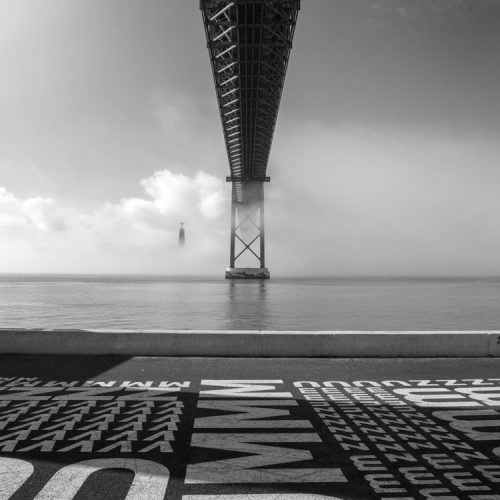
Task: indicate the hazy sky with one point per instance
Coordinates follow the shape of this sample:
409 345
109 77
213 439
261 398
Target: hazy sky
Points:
385 158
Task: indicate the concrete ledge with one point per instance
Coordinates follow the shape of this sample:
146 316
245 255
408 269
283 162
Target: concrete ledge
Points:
383 344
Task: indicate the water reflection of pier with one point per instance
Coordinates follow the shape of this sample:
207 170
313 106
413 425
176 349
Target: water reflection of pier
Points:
248 306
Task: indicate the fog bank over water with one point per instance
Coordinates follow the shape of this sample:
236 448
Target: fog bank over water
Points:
132 235
342 200
375 206
385 201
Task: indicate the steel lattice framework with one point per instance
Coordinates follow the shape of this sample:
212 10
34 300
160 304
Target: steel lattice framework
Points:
249 43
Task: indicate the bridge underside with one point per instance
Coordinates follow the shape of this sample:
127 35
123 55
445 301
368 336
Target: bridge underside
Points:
249 43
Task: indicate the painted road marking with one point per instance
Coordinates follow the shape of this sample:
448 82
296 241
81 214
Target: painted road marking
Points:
264 439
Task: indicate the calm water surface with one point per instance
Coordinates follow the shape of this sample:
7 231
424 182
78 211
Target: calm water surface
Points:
139 302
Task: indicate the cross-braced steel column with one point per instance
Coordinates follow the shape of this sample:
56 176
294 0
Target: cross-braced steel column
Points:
247 238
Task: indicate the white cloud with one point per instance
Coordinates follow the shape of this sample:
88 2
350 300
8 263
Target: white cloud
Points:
197 201
46 214
179 194
42 214
11 212
130 227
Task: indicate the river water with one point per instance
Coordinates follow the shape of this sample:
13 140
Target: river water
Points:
146 302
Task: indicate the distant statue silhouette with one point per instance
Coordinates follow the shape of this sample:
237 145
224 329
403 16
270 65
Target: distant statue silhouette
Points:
182 237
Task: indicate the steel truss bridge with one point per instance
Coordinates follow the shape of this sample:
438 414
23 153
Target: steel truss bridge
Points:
249 43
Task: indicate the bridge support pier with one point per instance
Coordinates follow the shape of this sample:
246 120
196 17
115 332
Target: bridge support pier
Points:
247 238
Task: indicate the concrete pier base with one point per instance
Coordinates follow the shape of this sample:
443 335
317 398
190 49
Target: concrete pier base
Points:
259 273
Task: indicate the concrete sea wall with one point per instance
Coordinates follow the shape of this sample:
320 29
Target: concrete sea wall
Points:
385 344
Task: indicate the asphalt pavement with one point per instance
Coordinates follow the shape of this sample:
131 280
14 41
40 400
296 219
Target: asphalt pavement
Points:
111 427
